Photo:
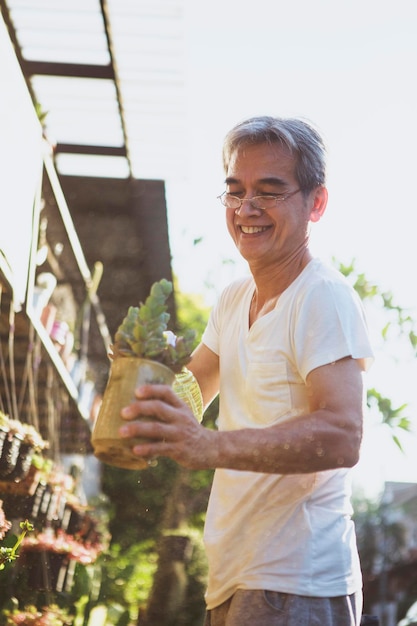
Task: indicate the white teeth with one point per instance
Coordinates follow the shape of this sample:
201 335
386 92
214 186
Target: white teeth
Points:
250 230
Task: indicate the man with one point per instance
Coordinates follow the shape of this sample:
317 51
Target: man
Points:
285 348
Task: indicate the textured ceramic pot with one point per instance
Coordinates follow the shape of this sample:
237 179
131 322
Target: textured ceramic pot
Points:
126 373
9 454
47 571
23 463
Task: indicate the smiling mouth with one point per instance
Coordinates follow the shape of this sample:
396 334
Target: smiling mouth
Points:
252 230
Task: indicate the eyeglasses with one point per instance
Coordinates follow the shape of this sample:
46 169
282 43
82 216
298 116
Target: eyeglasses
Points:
263 203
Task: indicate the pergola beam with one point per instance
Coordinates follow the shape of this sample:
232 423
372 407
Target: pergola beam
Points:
77 70
72 148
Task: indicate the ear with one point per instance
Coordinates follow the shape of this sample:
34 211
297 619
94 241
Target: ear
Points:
319 203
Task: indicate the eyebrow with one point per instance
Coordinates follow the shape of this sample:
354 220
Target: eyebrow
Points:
270 180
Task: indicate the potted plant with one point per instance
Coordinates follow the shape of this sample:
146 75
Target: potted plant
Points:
48 559
32 443
11 439
144 351
19 442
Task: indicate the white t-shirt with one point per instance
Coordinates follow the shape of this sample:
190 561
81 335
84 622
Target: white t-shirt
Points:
289 533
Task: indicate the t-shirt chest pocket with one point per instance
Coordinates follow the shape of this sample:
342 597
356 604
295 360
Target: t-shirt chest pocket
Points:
267 390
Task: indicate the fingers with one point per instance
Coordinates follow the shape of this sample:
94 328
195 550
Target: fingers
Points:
152 400
159 423
160 392
148 429
151 451
154 419
153 439
148 438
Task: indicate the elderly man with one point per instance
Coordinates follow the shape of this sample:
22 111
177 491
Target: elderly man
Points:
286 348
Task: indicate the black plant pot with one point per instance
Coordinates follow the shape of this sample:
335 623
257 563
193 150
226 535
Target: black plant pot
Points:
36 501
3 436
72 520
48 571
23 463
9 454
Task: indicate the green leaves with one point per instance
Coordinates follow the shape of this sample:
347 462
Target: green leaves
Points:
143 332
400 322
390 416
7 554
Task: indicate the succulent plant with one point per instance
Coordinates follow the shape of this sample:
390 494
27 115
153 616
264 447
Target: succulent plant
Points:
144 332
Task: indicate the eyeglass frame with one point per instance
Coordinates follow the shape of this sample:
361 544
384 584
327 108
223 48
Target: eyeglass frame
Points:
277 198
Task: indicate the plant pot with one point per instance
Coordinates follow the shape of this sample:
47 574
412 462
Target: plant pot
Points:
48 571
3 436
23 463
9 454
126 374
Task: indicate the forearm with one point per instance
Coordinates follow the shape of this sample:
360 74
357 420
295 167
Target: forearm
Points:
317 442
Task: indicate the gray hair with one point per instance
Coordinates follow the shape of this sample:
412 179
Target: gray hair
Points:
302 140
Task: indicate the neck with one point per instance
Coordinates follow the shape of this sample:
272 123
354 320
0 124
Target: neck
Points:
272 281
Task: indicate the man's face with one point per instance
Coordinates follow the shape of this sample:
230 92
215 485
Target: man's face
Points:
274 235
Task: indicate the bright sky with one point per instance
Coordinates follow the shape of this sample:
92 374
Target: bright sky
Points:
349 67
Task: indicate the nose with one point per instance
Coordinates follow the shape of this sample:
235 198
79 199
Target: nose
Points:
246 207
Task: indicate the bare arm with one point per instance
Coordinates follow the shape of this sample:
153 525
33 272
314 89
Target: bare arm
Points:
327 437
204 365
